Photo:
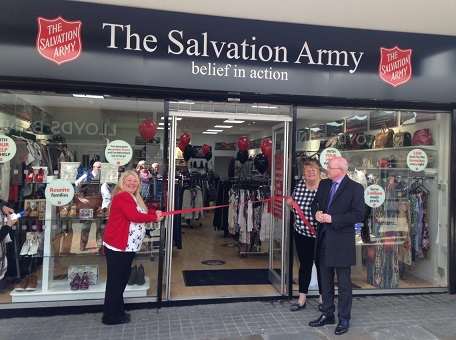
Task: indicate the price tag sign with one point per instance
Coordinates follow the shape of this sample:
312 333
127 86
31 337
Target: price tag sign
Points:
7 149
118 152
374 196
417 160
328 154
59 192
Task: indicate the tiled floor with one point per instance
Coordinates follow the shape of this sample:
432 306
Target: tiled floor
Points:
430 316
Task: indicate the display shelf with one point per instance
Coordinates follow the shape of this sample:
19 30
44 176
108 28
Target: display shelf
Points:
60 290
403 148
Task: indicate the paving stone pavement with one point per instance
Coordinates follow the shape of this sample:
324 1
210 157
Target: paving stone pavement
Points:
424 316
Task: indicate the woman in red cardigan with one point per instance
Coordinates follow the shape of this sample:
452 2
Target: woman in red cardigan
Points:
122 238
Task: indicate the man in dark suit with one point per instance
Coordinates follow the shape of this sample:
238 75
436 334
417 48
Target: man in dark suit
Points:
337 206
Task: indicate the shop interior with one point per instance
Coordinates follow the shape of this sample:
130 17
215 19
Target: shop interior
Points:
68 132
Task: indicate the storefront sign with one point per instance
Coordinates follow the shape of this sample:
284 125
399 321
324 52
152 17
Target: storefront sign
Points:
59 192
374 196
417 160
59 40
395 65
7 148
118 152
303 60
328 154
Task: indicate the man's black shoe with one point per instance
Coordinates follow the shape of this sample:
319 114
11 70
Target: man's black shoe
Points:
124 319
342 327
323 320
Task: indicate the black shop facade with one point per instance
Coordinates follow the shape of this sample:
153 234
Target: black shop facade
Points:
81 81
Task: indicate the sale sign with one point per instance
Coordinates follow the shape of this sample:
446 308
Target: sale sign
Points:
417 160
7 149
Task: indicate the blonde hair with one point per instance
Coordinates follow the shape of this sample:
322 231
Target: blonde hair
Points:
140 164
120 187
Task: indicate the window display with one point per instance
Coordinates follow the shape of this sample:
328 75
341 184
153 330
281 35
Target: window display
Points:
402 168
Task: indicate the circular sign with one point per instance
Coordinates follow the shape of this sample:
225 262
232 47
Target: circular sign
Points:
59 192
7 148
328 154
118 152
374 196
417 160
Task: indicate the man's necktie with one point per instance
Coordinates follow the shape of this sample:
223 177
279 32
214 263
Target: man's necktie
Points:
331 196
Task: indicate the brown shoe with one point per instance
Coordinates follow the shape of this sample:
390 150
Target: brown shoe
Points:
23 284
32 283
72 213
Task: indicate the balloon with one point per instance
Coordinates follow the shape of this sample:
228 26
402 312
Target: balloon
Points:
208 156
181 147
266 147
147 129
184 139
188 152
242 156
243 143
261 163
206 148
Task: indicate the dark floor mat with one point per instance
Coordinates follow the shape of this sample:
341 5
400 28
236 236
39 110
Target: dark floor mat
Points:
223 277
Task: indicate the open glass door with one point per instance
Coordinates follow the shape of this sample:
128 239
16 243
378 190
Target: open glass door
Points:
279 233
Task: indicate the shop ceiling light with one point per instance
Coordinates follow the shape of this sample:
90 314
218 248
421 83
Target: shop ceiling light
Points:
209 133
234 121
264 107
213 130
88 96
178 118
223 126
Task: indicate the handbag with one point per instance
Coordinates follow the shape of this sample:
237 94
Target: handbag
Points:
384 139
422 137
384 163
94 201
344 141
401 139
61 243
358 140
331 143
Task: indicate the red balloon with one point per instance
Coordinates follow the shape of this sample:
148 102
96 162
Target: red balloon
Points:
147 129
181 147
206 148
243 143
185 139
266 147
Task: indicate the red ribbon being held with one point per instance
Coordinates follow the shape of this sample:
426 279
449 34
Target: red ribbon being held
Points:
276 198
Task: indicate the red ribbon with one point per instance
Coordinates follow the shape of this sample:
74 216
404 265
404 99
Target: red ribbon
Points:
276 198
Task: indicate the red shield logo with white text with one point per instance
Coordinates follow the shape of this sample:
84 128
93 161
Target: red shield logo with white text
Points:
395 65
59 40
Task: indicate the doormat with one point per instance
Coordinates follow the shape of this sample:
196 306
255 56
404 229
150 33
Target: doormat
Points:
213 262
224 277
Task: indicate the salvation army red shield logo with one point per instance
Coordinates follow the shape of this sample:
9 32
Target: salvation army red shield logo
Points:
395 65
59 40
